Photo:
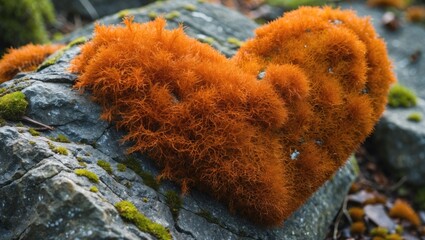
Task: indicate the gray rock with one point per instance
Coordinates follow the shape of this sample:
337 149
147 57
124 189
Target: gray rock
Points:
42 198
400 143
94 9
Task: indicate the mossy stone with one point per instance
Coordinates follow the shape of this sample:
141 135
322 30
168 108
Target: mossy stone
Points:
401 96
13 106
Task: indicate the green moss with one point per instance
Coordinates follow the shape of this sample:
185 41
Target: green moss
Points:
13 106
105 165
201 1
94 189
208 216
208 40
129 212
33 132
82 164
80 159
24 21
415 117
172 15
121 167
174 201
148 178
32 143
60 138
123 13
234 41
20 124
60 150
152 14
88 174
2 122
52 59
190 7
401 96
399 229
145 200
379 232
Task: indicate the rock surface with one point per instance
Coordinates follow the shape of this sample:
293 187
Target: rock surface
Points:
42 198
94 9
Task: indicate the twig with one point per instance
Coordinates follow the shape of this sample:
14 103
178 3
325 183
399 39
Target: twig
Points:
341 213
25 118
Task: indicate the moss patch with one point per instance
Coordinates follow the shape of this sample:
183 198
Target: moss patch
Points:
190 7
94 189
234 41
148 178
60 138
415 117
105 165
129 212
401 96
121 167
13 106
88 174
175 203
33 132
172 15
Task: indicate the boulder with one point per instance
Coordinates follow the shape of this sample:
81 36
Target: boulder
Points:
42 197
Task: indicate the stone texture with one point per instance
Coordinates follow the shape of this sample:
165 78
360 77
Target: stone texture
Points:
42 198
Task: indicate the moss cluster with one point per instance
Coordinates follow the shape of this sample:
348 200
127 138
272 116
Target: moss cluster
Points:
148 178
88 174
60 138
415 117
172 15
33 132
190 7
24 21
174 201
121 167
58 149
401 96
94 189
13 106
129 212
234 41
105 165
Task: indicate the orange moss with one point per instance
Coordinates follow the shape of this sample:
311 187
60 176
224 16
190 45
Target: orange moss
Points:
358 228
24 59
260 146
403 210
387 3
356 213
348 74
415 13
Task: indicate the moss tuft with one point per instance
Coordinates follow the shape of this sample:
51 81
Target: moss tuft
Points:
59 150
13 106
94 189
190 7
152 14
105 165
2 122
379 232
148 178
208 40
401 96
33 132
175 203
123 13
172 15
415 117
129 212
88 174
60 138
121 167
234 41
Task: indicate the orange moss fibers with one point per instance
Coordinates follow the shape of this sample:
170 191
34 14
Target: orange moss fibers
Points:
24 59
348 73
358 228
415 13
356 213
387 3
403 210
260 146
